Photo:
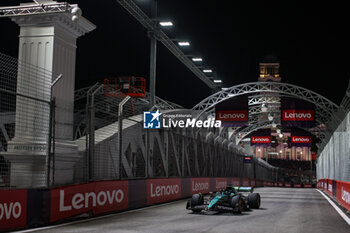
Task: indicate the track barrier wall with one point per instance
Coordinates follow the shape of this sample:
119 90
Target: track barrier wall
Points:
38 207
339 190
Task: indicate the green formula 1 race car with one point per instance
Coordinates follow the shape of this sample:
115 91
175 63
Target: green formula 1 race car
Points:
231 199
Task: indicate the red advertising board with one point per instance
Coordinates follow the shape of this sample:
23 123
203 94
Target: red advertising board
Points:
245 182
301 139
307 185
235 181
220 183
200 185
343 194
320 183
260 139
297 185
252 183
98 197
298 115
163 190
330 187
288 185
232 115
13 209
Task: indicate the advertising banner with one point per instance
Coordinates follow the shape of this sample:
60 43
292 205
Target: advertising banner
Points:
245 182
13 209
220 183
343 194
163 190
252 182
235 181
300 138
233 112
330 187
261 137
231 118
98 197
297 113
200 185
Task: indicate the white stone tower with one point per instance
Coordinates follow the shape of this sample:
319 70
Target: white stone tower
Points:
48 34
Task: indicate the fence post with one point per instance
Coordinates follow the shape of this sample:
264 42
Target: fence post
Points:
52 132
92 133
49 155
120 132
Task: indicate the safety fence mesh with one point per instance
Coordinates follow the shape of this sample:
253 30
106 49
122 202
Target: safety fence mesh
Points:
43 143
25 111
334 160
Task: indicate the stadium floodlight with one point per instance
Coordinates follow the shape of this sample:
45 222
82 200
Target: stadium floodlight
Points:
281 151
207 71
166 23
280 135
217 81
183 43
197 59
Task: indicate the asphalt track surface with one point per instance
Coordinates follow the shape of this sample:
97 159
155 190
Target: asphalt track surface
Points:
283 210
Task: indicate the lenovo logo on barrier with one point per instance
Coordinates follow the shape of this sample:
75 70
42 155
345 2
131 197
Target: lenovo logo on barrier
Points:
200 187
164 190
298 115
345 196
13 209
98 197
261 139
84 200
10 210
238 115
160 190
301 139
220 184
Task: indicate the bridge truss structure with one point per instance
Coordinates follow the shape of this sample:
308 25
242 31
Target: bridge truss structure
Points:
270 93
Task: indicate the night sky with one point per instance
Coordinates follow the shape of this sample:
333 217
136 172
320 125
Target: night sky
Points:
311 43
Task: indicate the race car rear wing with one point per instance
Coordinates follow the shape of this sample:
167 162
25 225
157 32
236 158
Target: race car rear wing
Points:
244 189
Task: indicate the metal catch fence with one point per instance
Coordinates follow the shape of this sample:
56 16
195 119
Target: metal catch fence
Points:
334 160
25 116
36 124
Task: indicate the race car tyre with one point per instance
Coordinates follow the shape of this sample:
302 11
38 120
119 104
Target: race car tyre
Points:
197 199
237 204
254 200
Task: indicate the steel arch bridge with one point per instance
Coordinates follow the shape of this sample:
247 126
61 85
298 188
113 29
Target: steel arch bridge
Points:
270 93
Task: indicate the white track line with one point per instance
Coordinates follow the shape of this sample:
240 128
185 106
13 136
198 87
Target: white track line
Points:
340 212
94 218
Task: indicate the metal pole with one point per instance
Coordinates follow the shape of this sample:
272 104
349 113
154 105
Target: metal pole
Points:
92 132
267 155
147 154
52 133
153 57
48 183
310 167
120 131
88 130
53 139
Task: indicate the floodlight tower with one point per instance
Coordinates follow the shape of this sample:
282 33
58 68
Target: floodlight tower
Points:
47 40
